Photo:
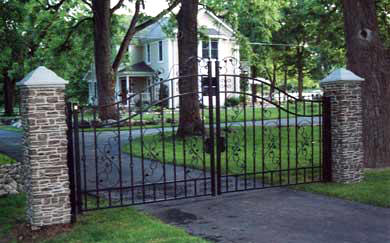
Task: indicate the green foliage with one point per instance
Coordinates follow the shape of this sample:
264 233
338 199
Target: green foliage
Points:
232 101
32 36
4 159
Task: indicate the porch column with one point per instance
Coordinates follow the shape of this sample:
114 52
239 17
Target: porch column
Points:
345 91
45 148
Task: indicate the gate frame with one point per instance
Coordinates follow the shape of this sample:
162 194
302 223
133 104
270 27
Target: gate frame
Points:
215 137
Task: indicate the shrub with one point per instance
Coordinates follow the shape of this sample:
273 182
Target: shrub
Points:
232 101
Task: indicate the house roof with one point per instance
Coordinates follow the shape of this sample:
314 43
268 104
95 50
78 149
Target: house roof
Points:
156 32
138 67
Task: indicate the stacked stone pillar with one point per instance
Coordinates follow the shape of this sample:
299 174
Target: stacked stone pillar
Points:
345 91
45 148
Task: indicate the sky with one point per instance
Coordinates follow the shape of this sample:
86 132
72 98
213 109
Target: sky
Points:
152 7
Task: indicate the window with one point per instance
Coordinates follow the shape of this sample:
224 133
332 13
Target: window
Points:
214 49
210 49
160 50
148 53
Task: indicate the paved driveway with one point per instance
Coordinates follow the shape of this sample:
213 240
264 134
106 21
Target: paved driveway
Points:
277 215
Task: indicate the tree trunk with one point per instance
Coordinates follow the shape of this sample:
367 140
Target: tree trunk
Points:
104 73
273 81
190 122
9 95
300 71
368 58
285 78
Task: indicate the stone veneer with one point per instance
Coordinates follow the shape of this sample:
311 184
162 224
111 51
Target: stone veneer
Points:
45 148
344 89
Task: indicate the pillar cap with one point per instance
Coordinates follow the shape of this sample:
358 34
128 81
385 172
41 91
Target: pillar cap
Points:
42 77
341 75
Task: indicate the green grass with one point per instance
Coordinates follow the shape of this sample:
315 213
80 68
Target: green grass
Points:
113 225
374 189
4 159
12 212
10 128
275 155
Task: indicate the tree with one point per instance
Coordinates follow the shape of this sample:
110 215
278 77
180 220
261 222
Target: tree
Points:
368 58
32 34
105 70
190 122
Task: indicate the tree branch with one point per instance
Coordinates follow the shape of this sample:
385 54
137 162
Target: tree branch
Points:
157 17
72 30
118 6
129 35
88 3
134 28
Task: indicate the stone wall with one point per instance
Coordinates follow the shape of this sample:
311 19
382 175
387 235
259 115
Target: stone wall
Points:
344 90
45 148
47 183
11 179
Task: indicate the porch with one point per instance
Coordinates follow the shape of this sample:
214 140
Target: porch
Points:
136 79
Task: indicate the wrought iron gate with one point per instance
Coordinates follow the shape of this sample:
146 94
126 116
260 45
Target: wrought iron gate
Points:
251 138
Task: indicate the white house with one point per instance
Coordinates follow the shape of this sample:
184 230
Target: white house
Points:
154 57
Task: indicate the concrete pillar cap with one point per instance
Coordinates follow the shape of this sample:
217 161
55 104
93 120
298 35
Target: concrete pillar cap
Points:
341 75
42 77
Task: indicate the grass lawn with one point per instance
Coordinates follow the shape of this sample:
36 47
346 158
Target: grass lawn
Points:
277 154
113 225
374 189
10 128
4 159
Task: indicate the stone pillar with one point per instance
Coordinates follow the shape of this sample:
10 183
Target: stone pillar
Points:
344 89
42 95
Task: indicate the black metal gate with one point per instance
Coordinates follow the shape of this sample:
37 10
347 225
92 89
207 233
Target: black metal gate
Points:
251 138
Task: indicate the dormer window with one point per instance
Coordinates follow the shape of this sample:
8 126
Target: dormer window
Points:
160 51
210 49
148 53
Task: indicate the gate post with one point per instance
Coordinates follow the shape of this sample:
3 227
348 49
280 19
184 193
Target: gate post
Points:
344 90
45 143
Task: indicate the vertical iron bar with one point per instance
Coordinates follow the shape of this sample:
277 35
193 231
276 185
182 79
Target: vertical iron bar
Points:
288 142
245 147
296 142
77 160
211 126
327 150
70 160
312 140
130 139
218 127
203 142
96 159
280 140
320 141
173 138
163 145
226 139
84 159
142 147
119 153
262 135
254 131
